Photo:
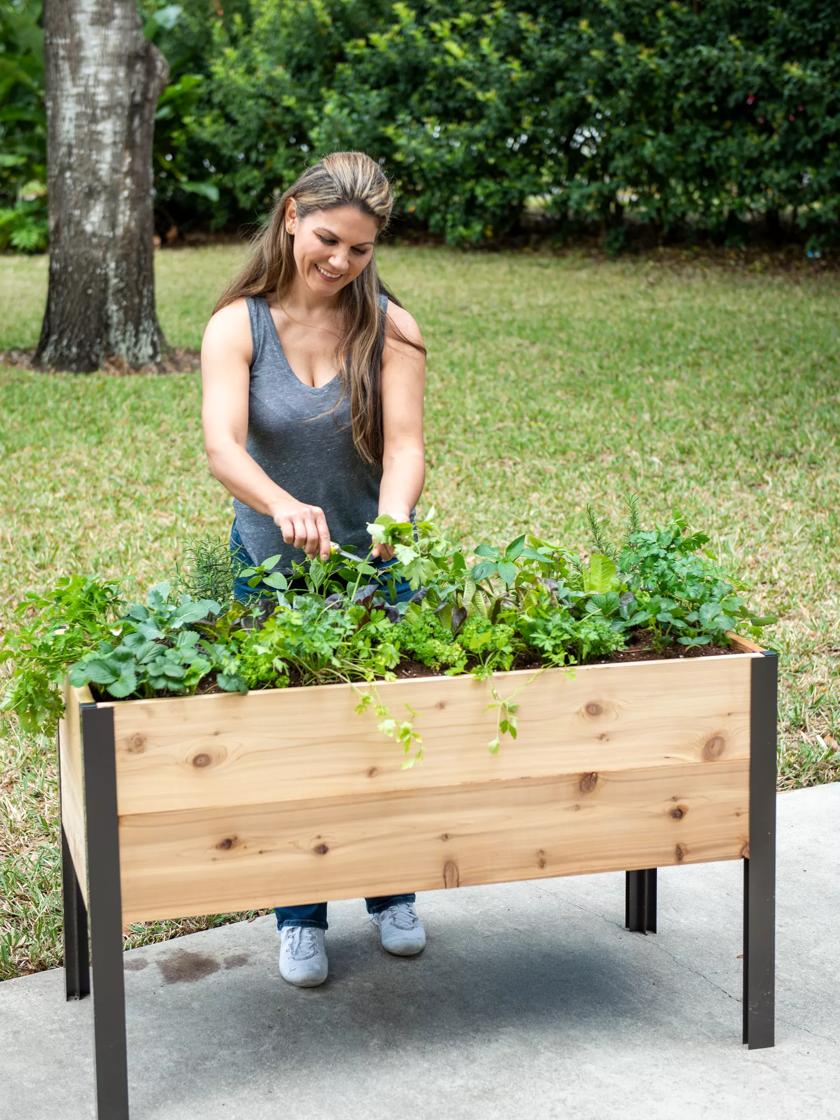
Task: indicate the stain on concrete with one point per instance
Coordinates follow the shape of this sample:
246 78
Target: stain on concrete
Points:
135 964
236 960
182 966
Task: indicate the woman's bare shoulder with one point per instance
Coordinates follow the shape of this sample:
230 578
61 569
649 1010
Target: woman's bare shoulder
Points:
404 322
230 327
233 314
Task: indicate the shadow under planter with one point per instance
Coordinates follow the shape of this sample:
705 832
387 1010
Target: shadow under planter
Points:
185 806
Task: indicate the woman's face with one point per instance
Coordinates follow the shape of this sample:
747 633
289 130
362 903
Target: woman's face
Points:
332 246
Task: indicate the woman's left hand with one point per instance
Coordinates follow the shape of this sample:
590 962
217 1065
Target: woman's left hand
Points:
386 551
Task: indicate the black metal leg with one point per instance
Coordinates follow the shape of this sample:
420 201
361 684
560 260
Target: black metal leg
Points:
760 865
105 912
640 900
76 956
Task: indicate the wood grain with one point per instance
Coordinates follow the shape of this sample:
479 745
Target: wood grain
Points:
745 645
301 744
181 864
72 800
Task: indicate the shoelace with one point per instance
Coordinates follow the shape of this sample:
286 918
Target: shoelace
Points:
403 915
303 943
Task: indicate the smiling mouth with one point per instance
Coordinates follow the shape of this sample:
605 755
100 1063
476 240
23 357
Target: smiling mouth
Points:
327 275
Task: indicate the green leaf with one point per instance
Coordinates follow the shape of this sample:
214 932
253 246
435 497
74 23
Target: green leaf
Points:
483 570
190 612
600 574
507 572
277 580
206 188
97 672
515 548
709 613
125 685
230 682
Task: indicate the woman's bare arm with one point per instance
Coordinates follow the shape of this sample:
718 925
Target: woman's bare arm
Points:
403 383
225 376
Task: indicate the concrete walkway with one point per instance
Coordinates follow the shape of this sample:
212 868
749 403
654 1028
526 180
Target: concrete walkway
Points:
530 1001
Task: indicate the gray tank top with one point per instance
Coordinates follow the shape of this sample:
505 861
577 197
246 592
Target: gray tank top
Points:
310 455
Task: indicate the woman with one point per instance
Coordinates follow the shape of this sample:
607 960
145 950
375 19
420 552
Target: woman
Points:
313 377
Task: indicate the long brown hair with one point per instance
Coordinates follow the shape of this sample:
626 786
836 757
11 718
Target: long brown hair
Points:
339 179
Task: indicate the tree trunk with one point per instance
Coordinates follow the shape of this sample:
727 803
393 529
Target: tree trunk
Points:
103 79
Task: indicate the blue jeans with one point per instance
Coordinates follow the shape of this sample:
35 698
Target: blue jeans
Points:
313 913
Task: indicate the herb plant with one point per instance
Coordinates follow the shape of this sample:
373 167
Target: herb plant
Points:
531 603
54 630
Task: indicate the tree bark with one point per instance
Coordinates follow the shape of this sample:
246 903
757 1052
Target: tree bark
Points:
103 79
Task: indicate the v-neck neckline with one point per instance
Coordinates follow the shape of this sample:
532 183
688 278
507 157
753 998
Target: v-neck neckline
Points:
284 356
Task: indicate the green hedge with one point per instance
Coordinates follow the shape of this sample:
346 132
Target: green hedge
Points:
688 117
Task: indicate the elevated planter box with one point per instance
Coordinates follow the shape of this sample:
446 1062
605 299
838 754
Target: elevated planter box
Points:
188 806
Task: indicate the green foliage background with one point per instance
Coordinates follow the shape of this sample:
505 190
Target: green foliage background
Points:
692 118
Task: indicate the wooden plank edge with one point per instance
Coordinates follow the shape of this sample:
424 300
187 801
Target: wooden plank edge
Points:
497 678
72 812
79 695
745 645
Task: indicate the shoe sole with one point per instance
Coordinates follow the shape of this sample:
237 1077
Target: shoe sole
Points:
403 952
304 983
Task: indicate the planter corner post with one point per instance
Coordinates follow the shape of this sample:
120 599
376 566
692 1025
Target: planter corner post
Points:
760 865
105 911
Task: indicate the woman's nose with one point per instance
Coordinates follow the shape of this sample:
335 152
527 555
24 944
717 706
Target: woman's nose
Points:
338 261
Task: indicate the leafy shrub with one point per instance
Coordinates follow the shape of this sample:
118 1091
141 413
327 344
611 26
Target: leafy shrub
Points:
684 116
23 129
54 630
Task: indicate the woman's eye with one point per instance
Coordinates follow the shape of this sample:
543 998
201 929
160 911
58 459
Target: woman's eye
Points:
327 241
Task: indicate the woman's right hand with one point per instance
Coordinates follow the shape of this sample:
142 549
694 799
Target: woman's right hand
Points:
303 526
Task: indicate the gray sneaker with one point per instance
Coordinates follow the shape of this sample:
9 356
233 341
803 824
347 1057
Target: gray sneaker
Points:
400 930
303 957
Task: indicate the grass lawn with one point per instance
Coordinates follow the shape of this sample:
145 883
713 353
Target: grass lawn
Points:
553 381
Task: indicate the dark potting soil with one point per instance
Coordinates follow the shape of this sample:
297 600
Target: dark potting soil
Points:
639 649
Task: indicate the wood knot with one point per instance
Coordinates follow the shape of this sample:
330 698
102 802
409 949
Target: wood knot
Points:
444 836
441 704
540 858
679 812
714 747
320 849
603 737
451 875
593 708
201 760
226 844
137 744
588 782
680 851
374 770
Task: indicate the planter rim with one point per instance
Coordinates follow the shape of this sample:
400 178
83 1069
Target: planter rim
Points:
748 650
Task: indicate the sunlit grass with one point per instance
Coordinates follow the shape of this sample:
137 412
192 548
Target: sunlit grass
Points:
553 381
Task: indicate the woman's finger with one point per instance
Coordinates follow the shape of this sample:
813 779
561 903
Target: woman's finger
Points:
300 533
312 537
